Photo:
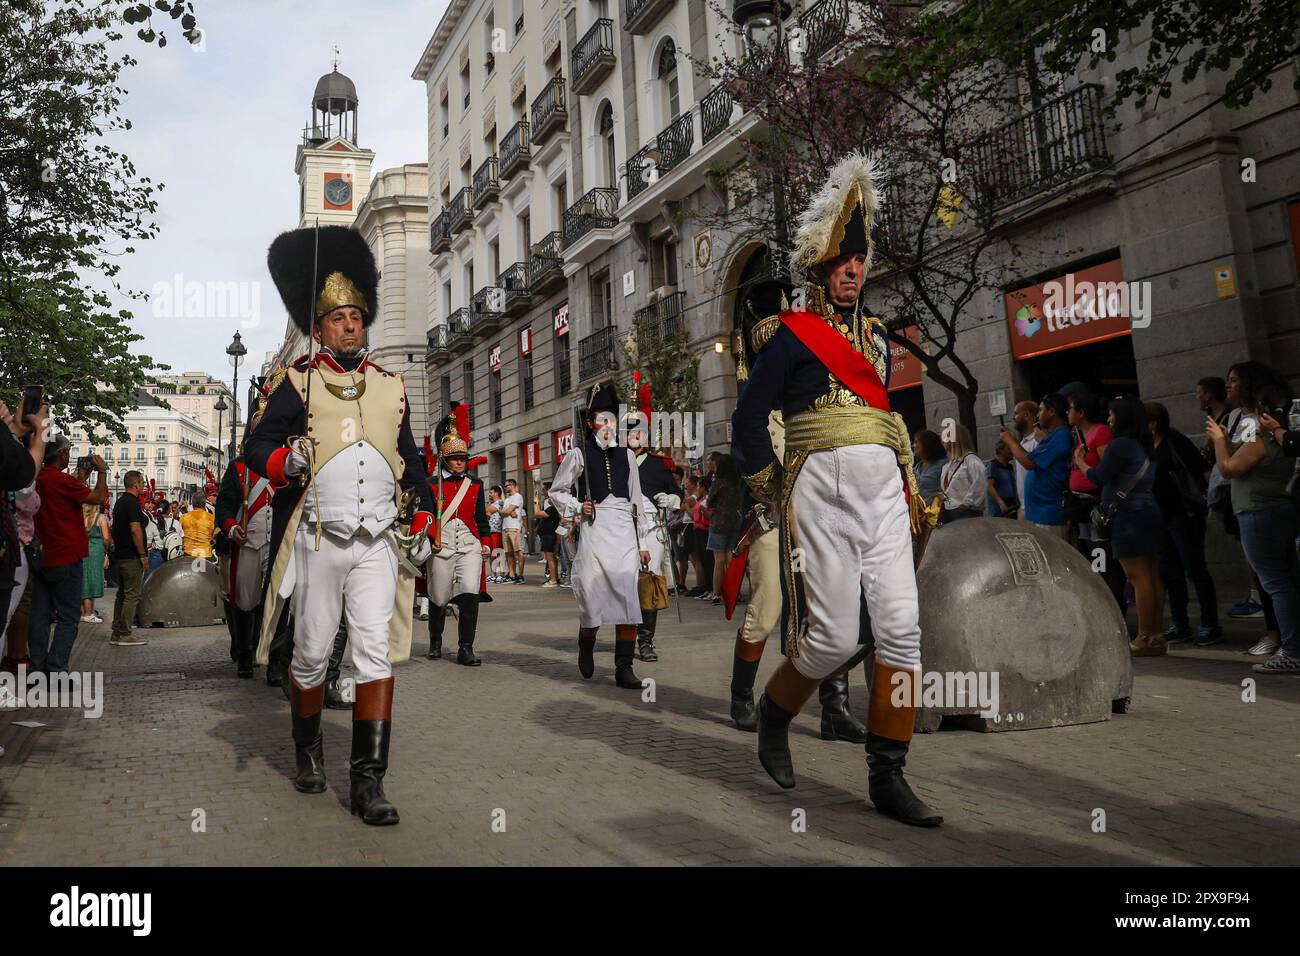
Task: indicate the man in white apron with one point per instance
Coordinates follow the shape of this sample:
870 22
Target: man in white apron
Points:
598 484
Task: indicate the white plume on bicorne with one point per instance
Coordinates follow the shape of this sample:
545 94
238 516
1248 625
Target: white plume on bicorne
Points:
813 226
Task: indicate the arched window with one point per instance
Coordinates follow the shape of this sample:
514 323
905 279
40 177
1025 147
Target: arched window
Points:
608 163
667 74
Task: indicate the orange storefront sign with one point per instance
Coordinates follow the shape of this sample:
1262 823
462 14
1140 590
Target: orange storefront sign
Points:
1069 310
905 369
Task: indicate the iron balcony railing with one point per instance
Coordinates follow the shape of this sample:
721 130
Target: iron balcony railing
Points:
457 327
596 353
597 209
514 149
437 339
514 281
715 113
593 56
440 233
461 210
486 183
824 25
640 15
487 301
670 147
546 262
660 322
548 112
1051 145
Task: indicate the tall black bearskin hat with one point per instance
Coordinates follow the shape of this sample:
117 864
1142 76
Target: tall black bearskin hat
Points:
603 397
342 263
764 302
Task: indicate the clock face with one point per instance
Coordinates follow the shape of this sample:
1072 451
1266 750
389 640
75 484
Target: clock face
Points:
338 192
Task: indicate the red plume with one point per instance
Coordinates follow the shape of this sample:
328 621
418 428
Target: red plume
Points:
643 402
476 461
428 451
461 411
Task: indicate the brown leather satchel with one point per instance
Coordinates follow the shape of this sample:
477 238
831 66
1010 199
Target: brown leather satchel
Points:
652 589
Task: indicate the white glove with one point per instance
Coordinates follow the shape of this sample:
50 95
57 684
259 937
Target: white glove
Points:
296 463
668 502
422 550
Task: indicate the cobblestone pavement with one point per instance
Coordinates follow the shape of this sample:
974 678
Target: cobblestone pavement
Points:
582 772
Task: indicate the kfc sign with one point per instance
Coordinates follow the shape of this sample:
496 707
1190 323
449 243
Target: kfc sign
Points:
563 443
494 359
525 341
561 320
530 452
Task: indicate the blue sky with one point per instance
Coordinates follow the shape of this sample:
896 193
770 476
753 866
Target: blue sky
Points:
219 128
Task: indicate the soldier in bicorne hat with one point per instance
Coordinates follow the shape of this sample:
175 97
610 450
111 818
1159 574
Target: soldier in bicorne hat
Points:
843 489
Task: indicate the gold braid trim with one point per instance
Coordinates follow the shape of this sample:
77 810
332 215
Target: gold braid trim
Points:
766 483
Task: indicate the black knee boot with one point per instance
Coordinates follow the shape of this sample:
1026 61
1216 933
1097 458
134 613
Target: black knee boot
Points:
437 621
466 626
838 722
586 655
371 731
281 652
774 742
645 636
624 677
888 790
308 742
743 711
334 698
245 641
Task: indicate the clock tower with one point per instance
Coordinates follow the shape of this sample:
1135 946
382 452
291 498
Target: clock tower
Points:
333 171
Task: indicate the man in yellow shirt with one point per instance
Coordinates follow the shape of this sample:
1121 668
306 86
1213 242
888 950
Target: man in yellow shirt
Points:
197 526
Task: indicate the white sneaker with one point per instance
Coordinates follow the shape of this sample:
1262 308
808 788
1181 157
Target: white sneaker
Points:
90 619
129 641
1267 647
550 584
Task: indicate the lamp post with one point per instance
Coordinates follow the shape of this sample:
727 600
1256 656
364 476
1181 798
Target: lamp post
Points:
220 407
236 352
763 33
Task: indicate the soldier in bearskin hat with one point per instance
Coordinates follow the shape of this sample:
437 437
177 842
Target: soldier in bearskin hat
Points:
598 484
456 573
843 490
335 441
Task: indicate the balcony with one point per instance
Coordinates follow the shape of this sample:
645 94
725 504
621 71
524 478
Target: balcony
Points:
437 348
548 112
514 149
546 264
660 322
824 25
668 150
458 329
1059 141
640 15
593 56
596 354
518 294
715 114
461 211
486 184
440 234
595 210
486 309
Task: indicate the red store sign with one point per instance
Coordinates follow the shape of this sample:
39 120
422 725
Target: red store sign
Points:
563 443
1071 309
494 359
904 368
561 320
530 452
526 341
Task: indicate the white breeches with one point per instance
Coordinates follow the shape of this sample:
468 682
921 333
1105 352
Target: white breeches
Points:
457 568
763 613
250 572
851 526
361 571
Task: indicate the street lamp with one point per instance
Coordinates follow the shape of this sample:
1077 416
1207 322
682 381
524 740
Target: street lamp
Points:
236 352
221 407
760 23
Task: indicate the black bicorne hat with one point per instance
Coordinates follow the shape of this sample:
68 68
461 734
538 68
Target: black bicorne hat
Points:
603 397
344 269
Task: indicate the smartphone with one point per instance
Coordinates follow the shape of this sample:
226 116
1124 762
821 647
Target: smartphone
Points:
84 463
33 399
1078 434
